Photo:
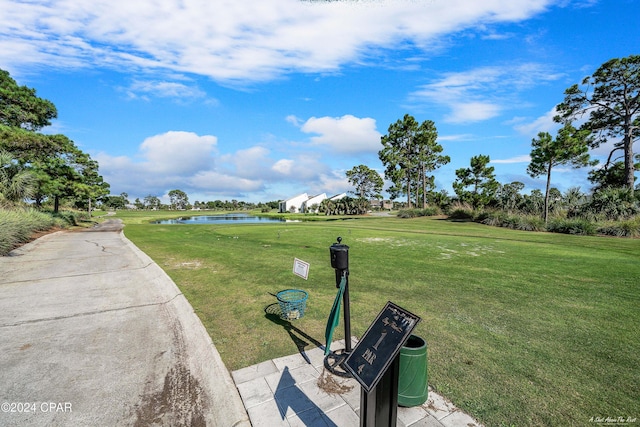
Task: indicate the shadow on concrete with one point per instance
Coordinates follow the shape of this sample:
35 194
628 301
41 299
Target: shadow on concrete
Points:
288 395
273 313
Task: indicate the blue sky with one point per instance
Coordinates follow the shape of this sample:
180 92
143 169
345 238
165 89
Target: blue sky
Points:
259 101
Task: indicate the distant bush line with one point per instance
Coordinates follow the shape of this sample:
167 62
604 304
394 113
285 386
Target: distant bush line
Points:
588 225
18 225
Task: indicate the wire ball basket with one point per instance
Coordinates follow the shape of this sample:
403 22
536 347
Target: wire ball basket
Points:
293 303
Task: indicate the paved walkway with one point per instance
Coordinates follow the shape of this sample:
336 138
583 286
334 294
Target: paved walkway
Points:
94 333
291 392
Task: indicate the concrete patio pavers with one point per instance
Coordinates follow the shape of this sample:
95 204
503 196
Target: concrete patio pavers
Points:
288 392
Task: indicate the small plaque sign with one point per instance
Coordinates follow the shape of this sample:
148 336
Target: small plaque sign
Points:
382 342
300 268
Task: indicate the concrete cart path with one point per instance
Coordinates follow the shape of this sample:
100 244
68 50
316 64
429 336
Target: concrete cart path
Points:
94 333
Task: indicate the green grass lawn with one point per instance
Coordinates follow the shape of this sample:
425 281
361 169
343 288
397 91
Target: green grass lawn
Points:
523 328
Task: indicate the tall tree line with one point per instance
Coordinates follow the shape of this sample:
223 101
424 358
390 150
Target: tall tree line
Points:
52 168
609 100
410 153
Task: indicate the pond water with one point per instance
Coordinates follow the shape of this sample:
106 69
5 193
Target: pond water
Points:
219 219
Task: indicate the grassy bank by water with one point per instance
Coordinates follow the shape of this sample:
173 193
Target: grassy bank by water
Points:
522 328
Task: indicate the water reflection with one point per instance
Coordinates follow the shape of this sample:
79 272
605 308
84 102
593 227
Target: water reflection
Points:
220 219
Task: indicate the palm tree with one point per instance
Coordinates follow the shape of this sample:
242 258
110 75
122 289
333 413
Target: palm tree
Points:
327 206
16 183
572 199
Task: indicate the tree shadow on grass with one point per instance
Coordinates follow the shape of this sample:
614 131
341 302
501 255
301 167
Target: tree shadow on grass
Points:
273 313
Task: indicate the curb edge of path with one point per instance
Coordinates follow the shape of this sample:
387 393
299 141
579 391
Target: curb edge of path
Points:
226 407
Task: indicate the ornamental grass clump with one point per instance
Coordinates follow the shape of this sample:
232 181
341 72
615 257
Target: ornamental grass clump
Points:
515 222
414 213
628 228
462 211
577 226
18 225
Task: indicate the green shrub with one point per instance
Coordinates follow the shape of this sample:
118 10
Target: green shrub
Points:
628 228
613 204
431 211
66 218
533 223
486 217
18 225
572 226
515 222
462 211
414 213
407 213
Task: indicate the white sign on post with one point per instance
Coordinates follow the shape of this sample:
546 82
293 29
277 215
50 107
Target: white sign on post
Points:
300 268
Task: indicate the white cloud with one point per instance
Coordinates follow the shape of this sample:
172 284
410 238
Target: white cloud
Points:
456 137
518 159
543 123
212 182
496 36
472 112
293 120
481 93
163 89
302 168
603 150
346 134
163 163
283 166
178 153
250 163
191 163
231 40
332 184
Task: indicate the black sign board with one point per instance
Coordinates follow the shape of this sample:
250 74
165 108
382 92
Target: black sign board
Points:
380 345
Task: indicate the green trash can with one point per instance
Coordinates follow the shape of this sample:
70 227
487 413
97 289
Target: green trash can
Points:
412 380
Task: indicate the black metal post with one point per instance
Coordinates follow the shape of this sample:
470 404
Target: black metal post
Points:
347 316
340 262
379 407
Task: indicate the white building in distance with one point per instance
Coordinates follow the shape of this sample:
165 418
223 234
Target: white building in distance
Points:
294 204
302 203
